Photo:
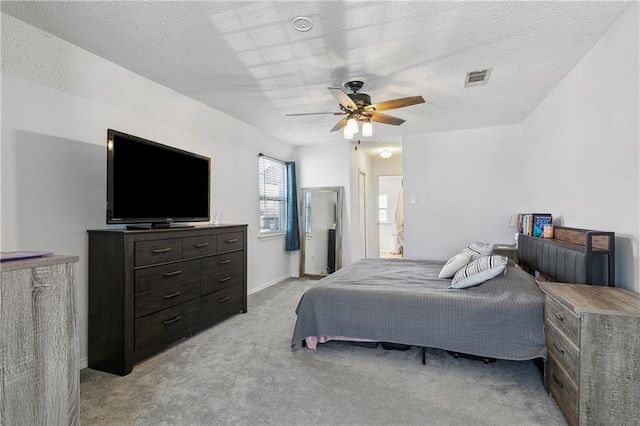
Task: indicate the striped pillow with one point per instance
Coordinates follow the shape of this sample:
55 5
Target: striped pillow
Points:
477 249
479 271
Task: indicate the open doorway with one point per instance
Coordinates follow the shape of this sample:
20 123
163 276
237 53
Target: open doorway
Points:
390 216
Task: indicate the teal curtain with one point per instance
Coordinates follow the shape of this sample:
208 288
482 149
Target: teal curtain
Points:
292 240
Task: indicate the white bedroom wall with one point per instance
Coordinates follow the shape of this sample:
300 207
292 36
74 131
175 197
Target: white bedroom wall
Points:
582 146
460 187
57 103
327 165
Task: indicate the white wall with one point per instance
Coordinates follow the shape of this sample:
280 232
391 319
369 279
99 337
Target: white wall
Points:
460 187
390 167
582 146
327 165
57 103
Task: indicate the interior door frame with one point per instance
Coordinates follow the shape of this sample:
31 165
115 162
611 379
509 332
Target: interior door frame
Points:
362 209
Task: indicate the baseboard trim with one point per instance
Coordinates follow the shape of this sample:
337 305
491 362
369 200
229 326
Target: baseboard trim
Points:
83 363
268 284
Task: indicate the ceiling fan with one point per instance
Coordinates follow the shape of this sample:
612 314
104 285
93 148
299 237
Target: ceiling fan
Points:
357 107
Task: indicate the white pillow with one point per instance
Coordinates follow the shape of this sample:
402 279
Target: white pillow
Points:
454 264
478 249
479 271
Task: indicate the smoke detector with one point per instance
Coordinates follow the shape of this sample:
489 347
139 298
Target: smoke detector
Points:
477 78
302 23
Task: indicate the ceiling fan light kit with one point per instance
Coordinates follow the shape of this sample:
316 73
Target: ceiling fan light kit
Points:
347 134
367 128
357 107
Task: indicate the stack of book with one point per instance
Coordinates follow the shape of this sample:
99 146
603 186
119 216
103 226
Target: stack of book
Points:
532 224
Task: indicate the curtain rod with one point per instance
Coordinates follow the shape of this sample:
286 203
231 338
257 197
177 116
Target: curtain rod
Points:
271 158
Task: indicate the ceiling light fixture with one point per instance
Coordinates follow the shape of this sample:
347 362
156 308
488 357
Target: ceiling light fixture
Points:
302 23
347 134
351 128
386 154
367 128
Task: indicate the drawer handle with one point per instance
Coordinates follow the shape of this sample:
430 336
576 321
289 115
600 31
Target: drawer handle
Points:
172 320
224 299
201 245
232 240
170 274
162 250
169 296
224 262
558 348
559 317
221 280
558 381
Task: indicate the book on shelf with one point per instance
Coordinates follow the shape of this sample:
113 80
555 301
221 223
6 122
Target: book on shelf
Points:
539 220
532 224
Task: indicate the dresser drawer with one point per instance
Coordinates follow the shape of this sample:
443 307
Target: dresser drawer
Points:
157 251
221 280
564 391
565 320
165 297
230 241
163 325
221 304
198 246
222 262
565 352
159 276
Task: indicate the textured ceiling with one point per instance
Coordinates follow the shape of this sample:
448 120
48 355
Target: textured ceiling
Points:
245 59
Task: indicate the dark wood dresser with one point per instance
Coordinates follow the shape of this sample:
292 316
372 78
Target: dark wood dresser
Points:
151 288
593 340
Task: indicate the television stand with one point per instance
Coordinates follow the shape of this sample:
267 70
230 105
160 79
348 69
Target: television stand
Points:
151 288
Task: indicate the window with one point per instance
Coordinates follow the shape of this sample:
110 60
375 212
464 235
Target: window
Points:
273 196
382 209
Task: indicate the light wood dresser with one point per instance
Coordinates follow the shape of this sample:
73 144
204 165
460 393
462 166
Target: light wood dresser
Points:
593 339
39 353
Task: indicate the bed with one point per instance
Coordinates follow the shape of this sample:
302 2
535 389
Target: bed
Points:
403 301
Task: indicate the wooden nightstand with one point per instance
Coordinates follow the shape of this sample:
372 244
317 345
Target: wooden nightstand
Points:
593 342
507 250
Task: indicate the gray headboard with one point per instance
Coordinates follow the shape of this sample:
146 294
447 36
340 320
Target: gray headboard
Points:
574 255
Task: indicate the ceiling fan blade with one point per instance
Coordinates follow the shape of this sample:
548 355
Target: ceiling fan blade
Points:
315 113
385 118
395 103
340 124
342 98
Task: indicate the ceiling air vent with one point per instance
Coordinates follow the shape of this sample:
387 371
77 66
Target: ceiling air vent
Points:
477 78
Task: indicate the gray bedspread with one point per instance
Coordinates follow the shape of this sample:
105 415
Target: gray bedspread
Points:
403 301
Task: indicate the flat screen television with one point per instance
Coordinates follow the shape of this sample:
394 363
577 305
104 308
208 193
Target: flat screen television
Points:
155 184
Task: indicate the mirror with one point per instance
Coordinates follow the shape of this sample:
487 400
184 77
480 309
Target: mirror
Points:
321 231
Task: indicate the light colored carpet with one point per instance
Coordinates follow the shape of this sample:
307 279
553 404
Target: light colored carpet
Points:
244 372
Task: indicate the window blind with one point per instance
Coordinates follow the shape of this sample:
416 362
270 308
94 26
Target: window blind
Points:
307 213
272 186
